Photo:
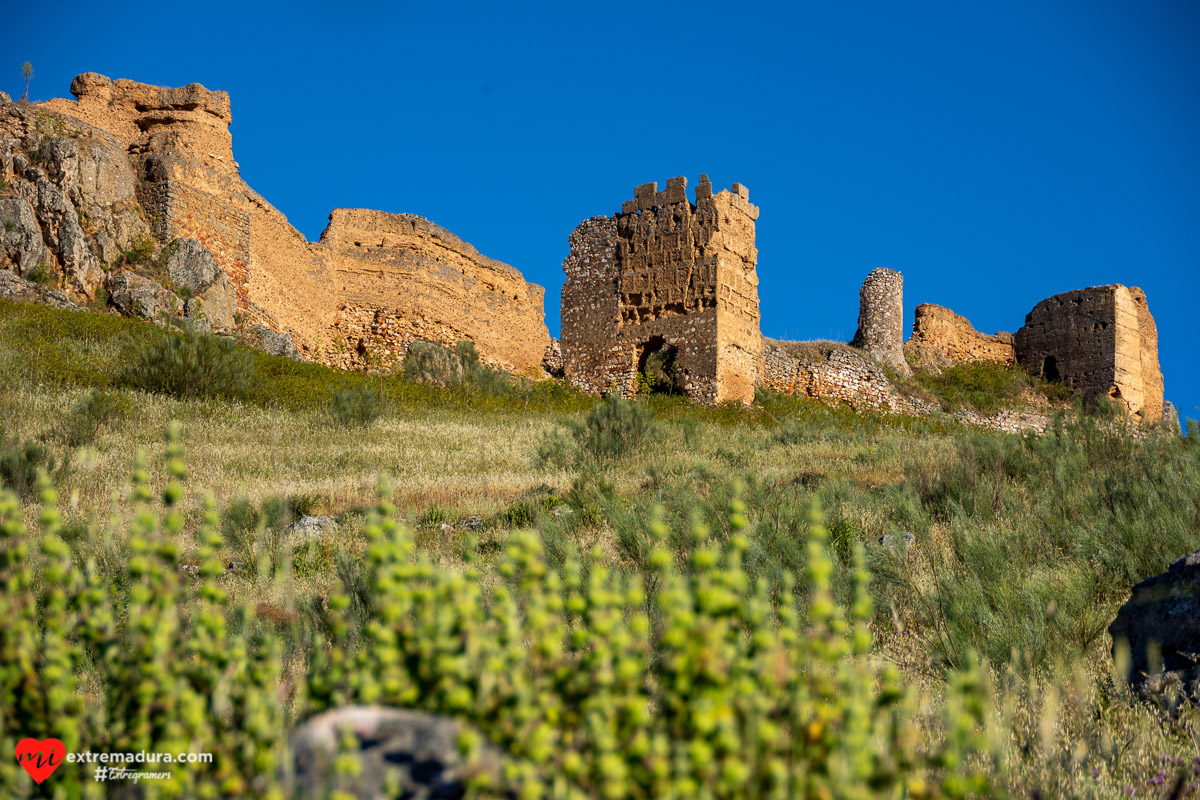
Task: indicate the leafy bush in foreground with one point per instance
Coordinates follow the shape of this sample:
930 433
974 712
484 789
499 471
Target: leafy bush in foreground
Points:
598 684
175 668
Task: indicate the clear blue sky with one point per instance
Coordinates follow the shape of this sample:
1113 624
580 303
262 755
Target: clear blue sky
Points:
994 153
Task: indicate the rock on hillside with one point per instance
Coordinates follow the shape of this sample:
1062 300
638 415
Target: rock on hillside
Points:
414 751
1164 614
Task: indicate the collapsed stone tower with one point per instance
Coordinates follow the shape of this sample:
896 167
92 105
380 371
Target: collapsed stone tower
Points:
1099 341
669 284
881 319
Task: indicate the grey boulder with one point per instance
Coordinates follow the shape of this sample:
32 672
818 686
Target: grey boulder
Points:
273 342
402 753
312 527
92 170
138 296
213 305
1161 626
21 246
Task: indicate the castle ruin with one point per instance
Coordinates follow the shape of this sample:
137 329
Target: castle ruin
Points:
941 336
1100 342
662 295
670 280
372 284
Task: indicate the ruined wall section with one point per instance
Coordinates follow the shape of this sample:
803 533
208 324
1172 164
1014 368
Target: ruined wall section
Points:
740 350
667 288
940 336
1153 387
666 275
591 311
828 371
1100 341
400 277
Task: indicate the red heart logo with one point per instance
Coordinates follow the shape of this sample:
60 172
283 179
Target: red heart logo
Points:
40 757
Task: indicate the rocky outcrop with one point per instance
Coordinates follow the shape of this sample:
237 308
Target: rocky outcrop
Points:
212 296
1161 626
14 288
273 343
138 296
414 753
1170 418
94 174
941 337
23 250
80 189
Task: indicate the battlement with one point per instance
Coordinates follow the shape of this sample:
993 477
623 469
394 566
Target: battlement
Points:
648 197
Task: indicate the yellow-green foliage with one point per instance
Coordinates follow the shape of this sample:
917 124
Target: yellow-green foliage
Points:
607 685
599 684
170 676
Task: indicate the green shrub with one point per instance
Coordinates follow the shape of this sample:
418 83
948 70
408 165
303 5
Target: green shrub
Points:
188 364
89 415
40 274
356 406
1046 535
435 364
612 429
10 225
141 253
432 363
20 464
982 385
615 427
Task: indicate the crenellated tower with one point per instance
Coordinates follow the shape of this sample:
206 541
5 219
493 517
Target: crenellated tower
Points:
666 282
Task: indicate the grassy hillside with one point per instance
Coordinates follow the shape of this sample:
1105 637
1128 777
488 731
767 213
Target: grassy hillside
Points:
1022 549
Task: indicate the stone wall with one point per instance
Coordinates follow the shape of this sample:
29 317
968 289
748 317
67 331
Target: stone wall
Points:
828 371
1100 341
881 319
401 278
670 278
939 336
376 287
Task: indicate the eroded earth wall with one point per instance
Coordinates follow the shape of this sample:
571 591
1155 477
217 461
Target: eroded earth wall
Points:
670 279
403 278
939 333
